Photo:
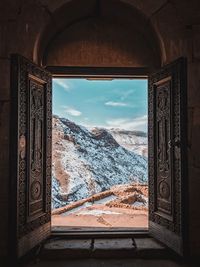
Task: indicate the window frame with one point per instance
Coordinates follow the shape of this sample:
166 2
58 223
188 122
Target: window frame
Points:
99 73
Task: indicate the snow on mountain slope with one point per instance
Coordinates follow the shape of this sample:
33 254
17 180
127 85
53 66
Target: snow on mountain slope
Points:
87 162
135 141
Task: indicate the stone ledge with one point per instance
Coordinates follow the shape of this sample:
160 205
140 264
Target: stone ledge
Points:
60 248
150 248
65 248
113 247
146 243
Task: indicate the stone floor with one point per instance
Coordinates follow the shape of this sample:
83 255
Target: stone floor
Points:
105 252
110 263
60 248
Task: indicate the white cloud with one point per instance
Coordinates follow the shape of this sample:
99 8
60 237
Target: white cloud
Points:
116 104
72 111
63 83
139 123
126 94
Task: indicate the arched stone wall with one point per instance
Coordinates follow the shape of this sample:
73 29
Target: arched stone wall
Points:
112 33
28 27
154 34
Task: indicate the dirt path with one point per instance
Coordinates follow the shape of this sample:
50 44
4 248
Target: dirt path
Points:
101 216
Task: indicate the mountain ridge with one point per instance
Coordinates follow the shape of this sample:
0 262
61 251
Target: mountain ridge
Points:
86 162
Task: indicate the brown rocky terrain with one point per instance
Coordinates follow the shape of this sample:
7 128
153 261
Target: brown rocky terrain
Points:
98 182
88 162
122 206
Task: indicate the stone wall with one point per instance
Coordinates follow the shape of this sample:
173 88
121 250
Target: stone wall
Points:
23 26
19 27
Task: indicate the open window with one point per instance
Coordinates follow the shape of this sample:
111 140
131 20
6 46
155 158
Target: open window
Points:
31 137
99 153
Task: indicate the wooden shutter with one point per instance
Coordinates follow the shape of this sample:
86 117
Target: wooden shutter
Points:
30 151
167 155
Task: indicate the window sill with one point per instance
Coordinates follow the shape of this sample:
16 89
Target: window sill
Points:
67 247
88 233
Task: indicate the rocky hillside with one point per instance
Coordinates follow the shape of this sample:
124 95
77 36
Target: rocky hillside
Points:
86 162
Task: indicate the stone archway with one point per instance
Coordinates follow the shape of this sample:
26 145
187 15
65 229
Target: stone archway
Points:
101 34
106 33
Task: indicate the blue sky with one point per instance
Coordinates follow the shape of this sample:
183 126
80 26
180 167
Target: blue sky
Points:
117 103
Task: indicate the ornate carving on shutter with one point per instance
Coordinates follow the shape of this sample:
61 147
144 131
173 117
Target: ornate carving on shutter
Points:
31 126
163 147
167 152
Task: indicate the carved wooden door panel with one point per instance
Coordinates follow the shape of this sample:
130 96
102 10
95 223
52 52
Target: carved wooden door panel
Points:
167 155
31 136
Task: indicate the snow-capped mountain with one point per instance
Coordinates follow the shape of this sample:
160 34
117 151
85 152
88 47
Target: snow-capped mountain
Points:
135 141
86 162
